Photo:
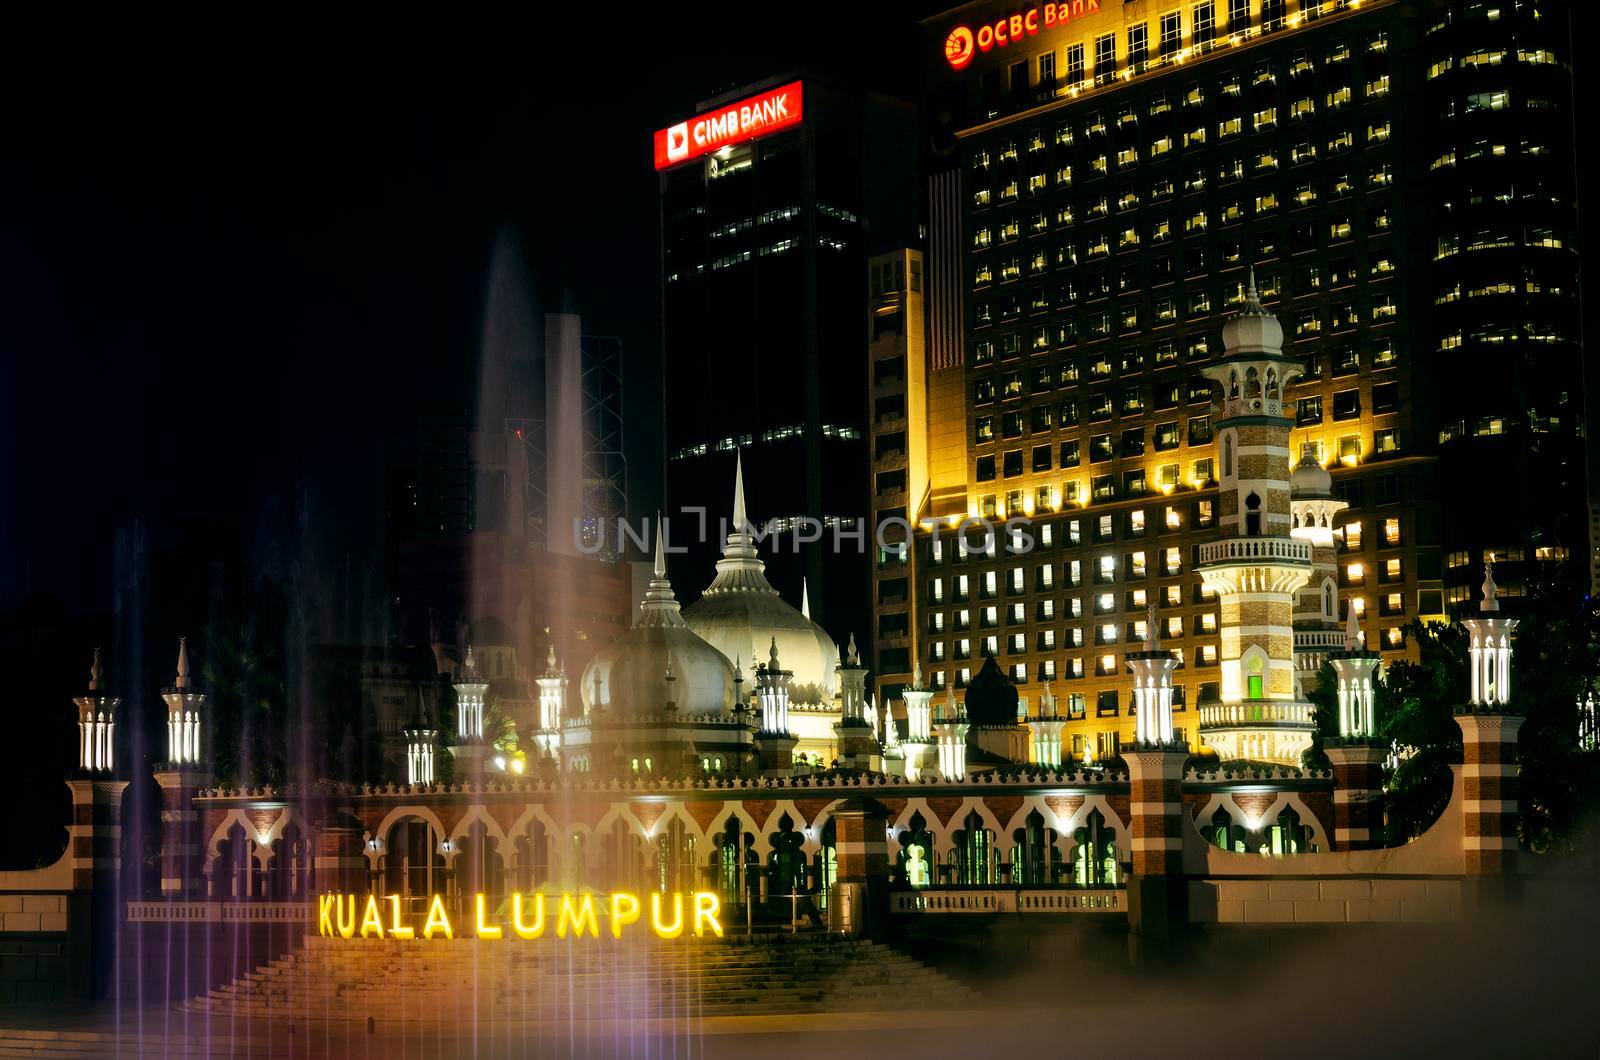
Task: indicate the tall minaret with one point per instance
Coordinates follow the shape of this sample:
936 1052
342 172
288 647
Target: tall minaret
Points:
97 725
181 777
1257 566
1316 607
774 741
857 742
950 734
552 705
1489 728
471 692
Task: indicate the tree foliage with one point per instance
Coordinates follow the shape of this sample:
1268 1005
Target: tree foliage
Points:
1553 662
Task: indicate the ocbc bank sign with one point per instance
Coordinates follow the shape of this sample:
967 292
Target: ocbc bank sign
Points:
964 42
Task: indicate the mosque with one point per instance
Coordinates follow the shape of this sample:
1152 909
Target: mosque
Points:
730 746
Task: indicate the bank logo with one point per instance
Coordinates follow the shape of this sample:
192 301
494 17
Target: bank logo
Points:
678 142
958 47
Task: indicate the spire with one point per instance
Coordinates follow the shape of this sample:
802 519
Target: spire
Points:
94 673
852 656
772 656
660 606
1352 631
1252 299
916 675
805 598
183 663
1489 602
550 653
469 670
739 517
1152 631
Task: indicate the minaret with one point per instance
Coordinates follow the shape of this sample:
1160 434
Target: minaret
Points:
774 741
422 745
1045 731
919 725
1256 566
552 706
1355 754
181 778
857 742
97 725
950 734
94 838
1314 512
471 691
1489 727
1152 688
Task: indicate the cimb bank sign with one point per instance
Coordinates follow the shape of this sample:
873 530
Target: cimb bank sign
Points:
746 119
530 916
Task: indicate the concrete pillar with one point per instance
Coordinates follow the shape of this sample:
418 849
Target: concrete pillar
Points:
341 867
1158 908
182 846
1357 789
1489 787
859 902
95 906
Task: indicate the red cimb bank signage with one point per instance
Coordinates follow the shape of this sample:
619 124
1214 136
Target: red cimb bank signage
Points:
715 129
964 42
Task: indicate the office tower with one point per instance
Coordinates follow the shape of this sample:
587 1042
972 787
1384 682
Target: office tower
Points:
772 197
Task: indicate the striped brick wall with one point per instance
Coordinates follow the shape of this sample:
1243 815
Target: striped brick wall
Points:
182 865
1357 787
1489 788
95 836
1155 811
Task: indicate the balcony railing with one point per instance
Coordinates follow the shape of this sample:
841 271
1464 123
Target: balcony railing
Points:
1256 550
1259 712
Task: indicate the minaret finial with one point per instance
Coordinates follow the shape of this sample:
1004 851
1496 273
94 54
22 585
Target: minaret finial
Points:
1352 630
852 656
805 598
1251 294
661 548
772 656
183 663
916 674
1490 601
95 673
1152 631
739 517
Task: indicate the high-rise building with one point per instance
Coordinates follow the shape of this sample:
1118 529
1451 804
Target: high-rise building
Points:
1104 181
772 197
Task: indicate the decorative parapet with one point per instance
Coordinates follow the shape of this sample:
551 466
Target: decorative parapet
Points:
1256 550
1255 714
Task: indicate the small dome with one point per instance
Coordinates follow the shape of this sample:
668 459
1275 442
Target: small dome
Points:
629 675
1310 479
991 697
1252 329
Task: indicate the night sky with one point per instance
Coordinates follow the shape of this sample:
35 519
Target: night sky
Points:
234 256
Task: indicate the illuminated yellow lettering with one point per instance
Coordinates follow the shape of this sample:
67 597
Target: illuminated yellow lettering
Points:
705 912
577 916
370 920
486 930
624 910
325 915
398 930
525 930
667 931
438 920
347 928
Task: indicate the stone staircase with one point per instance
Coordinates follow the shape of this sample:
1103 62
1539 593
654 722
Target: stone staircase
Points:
466 981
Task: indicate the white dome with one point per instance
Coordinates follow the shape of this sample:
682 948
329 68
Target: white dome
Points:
741 614
1310 479
629 675
1252 329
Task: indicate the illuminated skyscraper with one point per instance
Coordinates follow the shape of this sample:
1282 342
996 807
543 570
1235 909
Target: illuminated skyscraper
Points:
771 198
1103 179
